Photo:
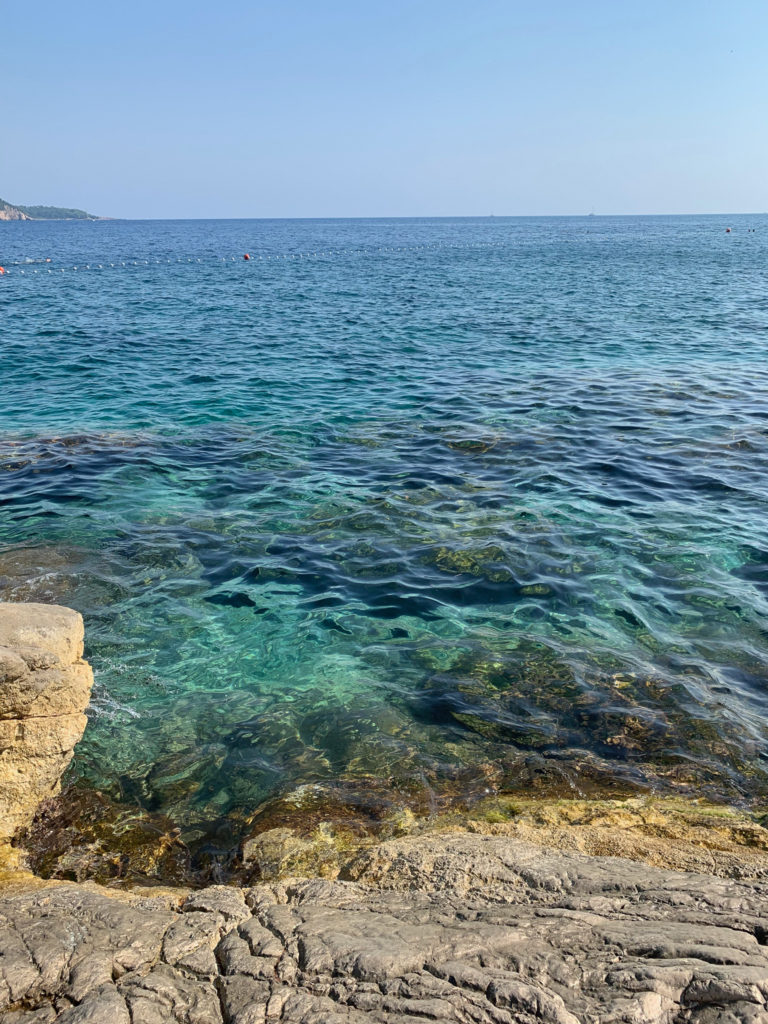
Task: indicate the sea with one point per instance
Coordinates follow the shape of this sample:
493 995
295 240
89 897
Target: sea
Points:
429 509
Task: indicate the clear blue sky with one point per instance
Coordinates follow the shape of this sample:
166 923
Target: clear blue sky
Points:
183 108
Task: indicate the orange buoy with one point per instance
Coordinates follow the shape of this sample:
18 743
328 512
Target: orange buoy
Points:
247 256
2 270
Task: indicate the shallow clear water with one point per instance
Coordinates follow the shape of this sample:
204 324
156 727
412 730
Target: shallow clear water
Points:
439 505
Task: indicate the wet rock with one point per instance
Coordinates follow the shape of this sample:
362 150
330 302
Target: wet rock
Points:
315 829
280 852
683 834
82 834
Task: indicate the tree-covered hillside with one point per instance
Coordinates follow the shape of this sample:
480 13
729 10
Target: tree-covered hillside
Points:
14 211
54 213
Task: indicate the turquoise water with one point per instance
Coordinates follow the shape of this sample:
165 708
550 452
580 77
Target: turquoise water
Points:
447 506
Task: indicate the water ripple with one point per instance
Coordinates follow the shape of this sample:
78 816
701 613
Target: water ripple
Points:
494 511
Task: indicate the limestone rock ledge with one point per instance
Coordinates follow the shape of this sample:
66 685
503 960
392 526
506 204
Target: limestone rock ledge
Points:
44 690
460 928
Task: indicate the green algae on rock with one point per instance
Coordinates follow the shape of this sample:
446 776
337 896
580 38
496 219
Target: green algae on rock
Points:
80 835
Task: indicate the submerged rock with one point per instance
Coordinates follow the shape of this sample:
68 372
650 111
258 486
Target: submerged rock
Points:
316 829
82 834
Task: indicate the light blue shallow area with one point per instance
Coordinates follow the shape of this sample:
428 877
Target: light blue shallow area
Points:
437 505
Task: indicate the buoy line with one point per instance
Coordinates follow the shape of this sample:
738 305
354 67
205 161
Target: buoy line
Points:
47 266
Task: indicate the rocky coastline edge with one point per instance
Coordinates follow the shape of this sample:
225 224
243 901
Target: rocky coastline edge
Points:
506 925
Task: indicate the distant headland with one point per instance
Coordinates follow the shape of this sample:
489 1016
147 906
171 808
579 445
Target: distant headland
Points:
10 212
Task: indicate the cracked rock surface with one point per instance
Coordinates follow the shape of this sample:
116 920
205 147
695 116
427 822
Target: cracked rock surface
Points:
461 928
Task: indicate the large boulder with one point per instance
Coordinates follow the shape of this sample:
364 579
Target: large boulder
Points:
44 690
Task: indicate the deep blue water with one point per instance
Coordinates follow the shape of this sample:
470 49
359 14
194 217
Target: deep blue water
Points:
463 503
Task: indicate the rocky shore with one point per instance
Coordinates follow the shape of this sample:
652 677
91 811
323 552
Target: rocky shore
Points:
8 212
523 921
464 928
44 690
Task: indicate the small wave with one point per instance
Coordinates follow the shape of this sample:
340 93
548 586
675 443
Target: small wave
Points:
104 706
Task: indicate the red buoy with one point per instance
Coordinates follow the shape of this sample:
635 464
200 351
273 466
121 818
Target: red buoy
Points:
727 231
247 256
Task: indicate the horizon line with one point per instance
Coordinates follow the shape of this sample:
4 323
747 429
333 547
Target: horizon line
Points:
460 216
